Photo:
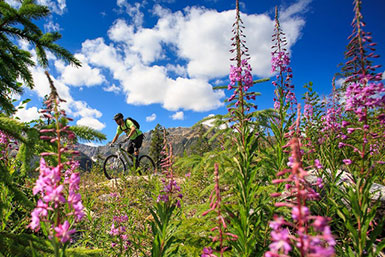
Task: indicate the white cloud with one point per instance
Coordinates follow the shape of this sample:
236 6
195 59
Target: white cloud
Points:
102 55
133 10
113 88
120 31
150 118
192 94
178 116
56 6
79 76
287 12
204 41
13 3
145 85
52 26
177 69
200 39
91 122
27 114
383 76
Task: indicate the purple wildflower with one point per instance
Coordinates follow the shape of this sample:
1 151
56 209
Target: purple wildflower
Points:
280 63
59 199
215 205
63 232
318 164
320 244
208 252
347 161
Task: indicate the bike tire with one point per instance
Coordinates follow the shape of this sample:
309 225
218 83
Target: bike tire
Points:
146 165
113 166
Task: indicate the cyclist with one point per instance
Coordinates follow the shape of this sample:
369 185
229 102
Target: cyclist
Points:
133 133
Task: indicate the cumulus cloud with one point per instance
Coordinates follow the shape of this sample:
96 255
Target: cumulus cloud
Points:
150 118
199 37
56 6
91 122
120 31
133 10
178 116
113 88
79 76
27 114
51 26
192 94
288 12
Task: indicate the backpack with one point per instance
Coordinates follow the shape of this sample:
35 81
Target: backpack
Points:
133 121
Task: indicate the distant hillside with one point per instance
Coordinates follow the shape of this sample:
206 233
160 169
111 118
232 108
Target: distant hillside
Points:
181 139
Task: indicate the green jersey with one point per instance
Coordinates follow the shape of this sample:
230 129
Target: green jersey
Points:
127 128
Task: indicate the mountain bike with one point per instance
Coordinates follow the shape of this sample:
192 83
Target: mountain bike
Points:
121 161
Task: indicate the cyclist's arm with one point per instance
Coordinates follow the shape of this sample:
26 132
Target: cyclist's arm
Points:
132 131
115 138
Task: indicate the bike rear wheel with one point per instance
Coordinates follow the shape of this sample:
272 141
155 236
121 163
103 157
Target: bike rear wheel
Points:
113 167
146 165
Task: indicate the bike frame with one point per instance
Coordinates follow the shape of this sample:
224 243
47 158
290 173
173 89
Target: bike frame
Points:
121 152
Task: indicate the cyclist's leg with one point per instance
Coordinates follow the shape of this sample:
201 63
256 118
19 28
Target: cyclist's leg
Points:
137 144
131 148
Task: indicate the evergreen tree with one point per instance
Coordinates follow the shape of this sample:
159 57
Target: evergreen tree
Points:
15 62
157 142
202 145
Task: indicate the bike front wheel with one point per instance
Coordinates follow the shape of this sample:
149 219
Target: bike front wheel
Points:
113 167
146 165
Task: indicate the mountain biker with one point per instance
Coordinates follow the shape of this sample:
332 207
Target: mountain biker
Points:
133 133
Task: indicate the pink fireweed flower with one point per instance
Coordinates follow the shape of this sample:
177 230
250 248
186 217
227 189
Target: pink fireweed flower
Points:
319 243
63 232
215 206
118 232
281 241
171 191
347 161
280 64
54 194
208 252
318 164
297 214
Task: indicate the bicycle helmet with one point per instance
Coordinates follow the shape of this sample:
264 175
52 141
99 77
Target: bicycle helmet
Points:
118 116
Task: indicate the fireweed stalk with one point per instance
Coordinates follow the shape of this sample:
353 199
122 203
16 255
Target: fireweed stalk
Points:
60 205
241 80
310 121
165 207
215 206
365 102
284 100
280 60
120 244
244 134
311 235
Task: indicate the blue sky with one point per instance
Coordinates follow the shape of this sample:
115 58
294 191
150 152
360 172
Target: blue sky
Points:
157 60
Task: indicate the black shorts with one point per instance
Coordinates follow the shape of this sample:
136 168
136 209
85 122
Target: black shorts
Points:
135 144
